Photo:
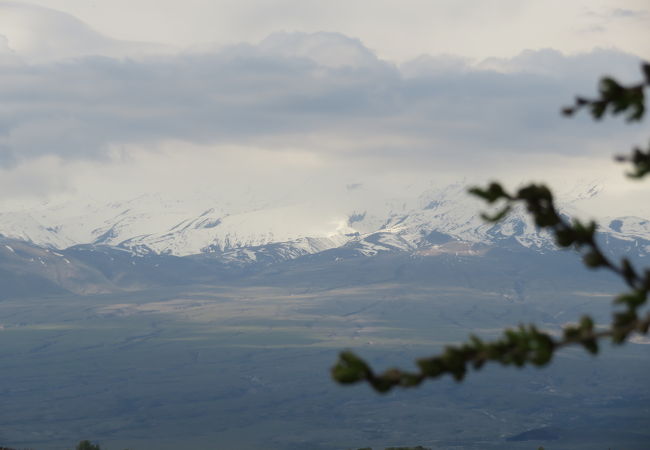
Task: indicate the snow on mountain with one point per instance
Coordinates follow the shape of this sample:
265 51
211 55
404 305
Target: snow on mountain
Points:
450 213
289 228
173 226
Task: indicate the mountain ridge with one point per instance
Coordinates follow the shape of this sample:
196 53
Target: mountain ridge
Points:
439 220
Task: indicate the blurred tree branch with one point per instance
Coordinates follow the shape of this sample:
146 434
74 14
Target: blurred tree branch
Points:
527 345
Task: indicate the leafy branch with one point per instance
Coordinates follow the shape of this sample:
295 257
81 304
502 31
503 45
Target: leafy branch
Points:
617 99
526 345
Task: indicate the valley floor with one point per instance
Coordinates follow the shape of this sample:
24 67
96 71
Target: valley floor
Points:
246 367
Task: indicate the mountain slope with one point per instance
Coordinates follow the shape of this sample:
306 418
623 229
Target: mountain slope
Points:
439 220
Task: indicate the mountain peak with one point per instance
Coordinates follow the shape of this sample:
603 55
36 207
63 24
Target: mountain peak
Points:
163 224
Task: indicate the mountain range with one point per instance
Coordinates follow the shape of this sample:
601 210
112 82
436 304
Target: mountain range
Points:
85 246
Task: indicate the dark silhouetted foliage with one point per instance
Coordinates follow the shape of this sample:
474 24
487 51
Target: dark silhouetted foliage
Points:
87 445
527 345
419 447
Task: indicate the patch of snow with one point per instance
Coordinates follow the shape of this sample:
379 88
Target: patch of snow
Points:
287 229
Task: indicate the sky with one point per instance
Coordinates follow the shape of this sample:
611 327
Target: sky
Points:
301 97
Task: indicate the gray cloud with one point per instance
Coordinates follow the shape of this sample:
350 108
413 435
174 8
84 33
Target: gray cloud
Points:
324 89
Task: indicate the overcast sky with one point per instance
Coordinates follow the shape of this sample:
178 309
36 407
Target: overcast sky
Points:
113 98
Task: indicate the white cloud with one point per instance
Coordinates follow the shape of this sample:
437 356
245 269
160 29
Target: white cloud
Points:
298 109
331 50
398 30
40 34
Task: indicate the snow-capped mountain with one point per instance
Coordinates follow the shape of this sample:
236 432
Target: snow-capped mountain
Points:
437 220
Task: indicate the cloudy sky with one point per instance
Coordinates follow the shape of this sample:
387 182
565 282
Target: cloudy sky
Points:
114 98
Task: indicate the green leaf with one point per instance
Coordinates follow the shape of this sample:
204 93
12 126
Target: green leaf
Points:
593 259
350 369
